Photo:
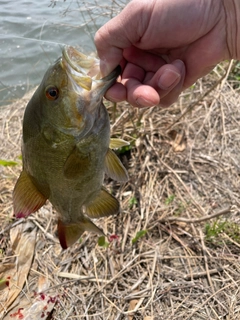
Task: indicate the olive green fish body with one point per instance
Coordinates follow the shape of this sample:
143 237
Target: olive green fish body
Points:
66 140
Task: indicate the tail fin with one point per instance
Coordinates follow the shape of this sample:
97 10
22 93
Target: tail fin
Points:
68 234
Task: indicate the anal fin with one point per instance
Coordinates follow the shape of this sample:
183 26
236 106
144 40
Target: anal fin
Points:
68 234
114 167
103 205
26 197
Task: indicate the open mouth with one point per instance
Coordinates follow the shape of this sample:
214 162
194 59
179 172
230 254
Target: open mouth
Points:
79 64
85 70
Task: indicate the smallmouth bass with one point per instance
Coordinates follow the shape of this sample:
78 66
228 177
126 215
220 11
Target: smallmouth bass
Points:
66 147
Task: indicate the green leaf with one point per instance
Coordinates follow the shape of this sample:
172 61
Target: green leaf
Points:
132 202
123 149
102 242
139 235
7 163
170 199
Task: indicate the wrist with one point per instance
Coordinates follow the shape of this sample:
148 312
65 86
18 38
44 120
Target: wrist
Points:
232 11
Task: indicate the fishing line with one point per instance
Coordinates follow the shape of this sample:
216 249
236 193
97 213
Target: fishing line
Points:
32 39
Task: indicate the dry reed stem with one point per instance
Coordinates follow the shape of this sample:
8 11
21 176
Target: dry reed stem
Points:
174 271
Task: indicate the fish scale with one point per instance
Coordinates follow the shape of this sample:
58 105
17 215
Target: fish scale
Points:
66 148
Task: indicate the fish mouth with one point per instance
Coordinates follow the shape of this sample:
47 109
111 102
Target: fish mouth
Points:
84 71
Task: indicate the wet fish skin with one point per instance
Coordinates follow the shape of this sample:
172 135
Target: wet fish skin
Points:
65 149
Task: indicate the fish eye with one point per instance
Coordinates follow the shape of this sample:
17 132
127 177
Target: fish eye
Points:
52 93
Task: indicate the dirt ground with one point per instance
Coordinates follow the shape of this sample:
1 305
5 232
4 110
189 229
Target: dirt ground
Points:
172 252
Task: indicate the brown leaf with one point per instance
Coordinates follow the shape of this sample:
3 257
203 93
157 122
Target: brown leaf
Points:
179 140
23 239
38 308
43 283
132 305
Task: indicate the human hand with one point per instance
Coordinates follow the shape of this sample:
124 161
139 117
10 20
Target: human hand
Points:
163 46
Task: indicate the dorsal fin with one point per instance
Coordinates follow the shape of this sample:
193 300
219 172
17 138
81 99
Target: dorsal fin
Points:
26 197
103 205
114 167
68 234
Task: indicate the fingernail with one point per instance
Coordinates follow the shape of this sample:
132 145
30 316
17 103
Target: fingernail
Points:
103 68
168 79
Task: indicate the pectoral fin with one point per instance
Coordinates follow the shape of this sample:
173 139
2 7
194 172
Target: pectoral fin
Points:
68 234
75 165
117 143
26 197
114 168
103 205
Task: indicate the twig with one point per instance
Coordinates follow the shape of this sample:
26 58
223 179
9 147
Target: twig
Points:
205 257
77 277
198 275
197 220
197 205
9 227
199 208
210 297
201 98
48 235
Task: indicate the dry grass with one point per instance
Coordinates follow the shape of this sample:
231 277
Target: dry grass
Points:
176 270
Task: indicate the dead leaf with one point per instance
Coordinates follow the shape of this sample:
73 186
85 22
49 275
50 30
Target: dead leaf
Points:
43 284
132 305
179 140
23 239
39 307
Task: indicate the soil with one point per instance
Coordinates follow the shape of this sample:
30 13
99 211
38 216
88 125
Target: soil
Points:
173 251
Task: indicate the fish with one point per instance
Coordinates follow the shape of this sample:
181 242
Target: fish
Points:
67 149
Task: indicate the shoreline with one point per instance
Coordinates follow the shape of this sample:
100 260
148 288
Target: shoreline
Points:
18 101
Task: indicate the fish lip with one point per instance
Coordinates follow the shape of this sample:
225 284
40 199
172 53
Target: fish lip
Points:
113 75
80 65
70 62
102 85
99 88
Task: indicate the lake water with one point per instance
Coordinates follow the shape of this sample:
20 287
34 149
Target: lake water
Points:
32 34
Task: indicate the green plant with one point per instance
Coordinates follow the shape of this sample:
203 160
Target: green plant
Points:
8 163
102 242
214 230
169 199
132 202
180 209
139 235
4 283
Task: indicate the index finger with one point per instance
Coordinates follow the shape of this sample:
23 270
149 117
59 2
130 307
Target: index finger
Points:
120 33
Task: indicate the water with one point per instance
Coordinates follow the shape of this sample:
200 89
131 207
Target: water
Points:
32 34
